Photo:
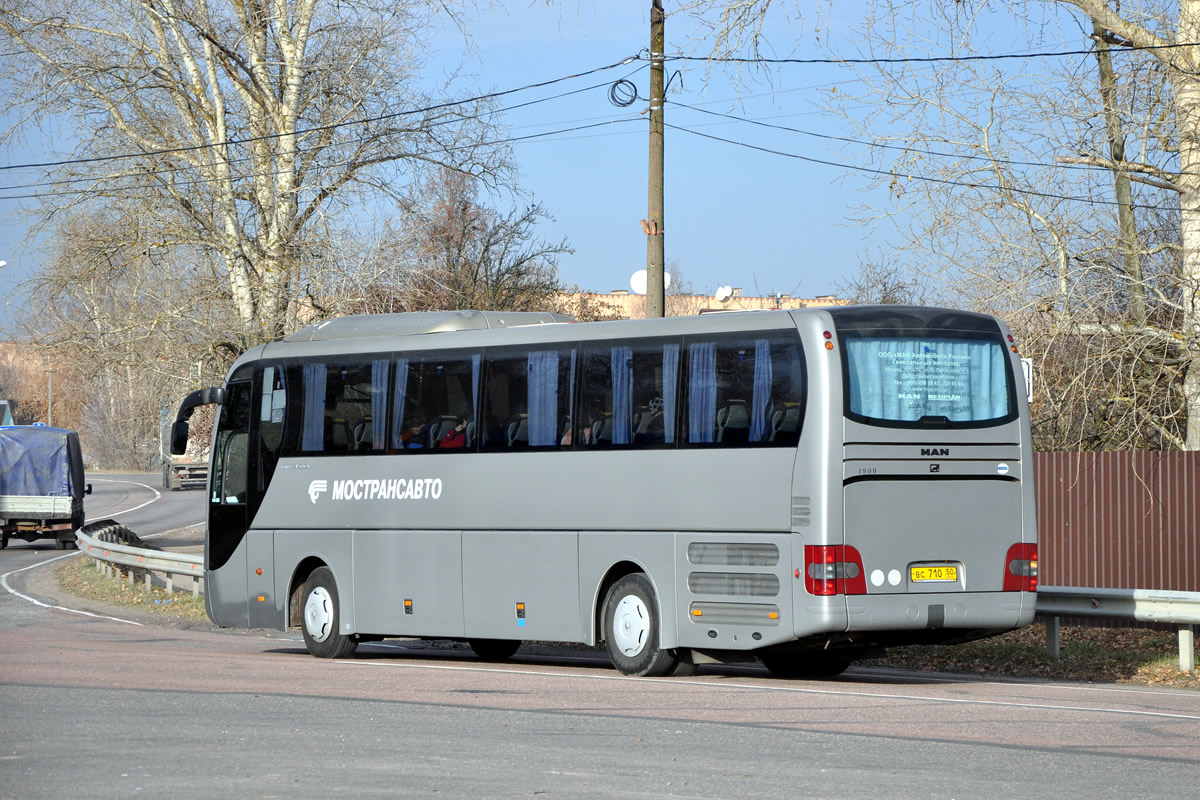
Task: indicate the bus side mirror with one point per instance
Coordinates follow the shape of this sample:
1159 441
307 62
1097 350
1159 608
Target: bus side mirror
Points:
179 437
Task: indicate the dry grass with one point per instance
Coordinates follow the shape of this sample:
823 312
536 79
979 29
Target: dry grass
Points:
1102 655
79 577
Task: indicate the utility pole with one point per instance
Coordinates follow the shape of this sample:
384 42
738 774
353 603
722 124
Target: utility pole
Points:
655 251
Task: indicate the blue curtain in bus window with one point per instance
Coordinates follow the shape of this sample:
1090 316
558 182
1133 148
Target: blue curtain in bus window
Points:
475 361
313 433
761 398
622 383
379 386
398 403
702 391
904 380
543 398
670 375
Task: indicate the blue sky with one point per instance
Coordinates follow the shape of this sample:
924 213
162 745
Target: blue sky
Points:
765 223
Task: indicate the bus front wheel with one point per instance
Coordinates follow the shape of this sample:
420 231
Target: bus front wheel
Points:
632 629
322 617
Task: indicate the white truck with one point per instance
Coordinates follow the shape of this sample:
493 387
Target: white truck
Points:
187 471
41 485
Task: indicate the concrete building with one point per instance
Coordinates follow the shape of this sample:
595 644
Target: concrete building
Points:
624 304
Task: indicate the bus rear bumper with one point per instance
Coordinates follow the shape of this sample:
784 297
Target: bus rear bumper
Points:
943 617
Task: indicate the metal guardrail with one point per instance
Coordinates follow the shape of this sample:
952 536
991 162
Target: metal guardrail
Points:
113 554
1139 605
1053 602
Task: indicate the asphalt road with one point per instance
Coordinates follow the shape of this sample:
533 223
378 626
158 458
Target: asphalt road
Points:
95 706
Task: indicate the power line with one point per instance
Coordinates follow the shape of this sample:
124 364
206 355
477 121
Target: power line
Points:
299 150
894 174
912 59
920 151
322 128
132 189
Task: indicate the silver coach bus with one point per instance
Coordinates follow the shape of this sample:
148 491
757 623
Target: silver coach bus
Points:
806 487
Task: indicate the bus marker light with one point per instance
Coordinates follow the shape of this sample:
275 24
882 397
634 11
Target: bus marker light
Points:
773 615
829 345
258 571
1021 568
697 612
408 608
827 335
832 570
262 599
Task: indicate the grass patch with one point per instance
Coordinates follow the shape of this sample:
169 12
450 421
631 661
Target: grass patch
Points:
79 577
1103 655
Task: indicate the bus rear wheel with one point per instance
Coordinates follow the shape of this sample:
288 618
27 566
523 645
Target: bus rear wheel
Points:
321 621
632 629
804 665
494 649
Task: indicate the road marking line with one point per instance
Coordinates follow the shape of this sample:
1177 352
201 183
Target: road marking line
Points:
792 689
36 602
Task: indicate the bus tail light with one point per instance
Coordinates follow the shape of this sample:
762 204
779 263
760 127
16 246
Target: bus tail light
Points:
833 569
1021 568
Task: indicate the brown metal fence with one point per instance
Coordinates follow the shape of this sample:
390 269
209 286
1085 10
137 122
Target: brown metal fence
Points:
1127 520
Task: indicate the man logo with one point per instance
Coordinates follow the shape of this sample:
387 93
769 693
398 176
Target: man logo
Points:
935 451
315 488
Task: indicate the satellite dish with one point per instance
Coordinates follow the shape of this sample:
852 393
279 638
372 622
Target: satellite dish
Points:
637 282
724 293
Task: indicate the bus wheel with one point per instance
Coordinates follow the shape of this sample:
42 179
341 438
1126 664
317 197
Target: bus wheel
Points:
494 649
631 629
804 665
322 618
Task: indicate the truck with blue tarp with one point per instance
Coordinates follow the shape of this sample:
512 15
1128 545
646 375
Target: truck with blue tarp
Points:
41 484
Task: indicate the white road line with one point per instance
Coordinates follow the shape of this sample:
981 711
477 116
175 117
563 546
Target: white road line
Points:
157 495
36 602
791 689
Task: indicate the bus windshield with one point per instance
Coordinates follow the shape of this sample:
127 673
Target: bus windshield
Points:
920 379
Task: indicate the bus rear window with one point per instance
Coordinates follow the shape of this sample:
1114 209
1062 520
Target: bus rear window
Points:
921 380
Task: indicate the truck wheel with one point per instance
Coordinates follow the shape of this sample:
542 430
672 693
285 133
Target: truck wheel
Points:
322 618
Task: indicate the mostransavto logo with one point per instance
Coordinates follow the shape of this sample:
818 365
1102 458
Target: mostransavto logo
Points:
375 489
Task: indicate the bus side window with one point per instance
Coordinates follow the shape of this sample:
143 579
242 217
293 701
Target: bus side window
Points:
745 392
527 400
629 394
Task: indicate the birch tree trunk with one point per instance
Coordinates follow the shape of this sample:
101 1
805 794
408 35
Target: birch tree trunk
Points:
233 124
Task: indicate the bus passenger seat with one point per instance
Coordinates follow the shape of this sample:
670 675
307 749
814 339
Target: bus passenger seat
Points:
733 422
363 439
338 438
785 422
517 431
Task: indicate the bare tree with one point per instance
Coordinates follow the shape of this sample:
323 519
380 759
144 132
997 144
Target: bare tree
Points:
1066 198
450 250
235 126
128 328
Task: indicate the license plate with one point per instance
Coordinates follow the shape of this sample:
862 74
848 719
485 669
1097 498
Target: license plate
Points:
932 574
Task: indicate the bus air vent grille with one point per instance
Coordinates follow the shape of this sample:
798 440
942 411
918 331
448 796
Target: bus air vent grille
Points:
734 584
760 615
801 512
733 554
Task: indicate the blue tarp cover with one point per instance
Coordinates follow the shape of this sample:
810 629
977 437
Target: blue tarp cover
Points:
43 461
